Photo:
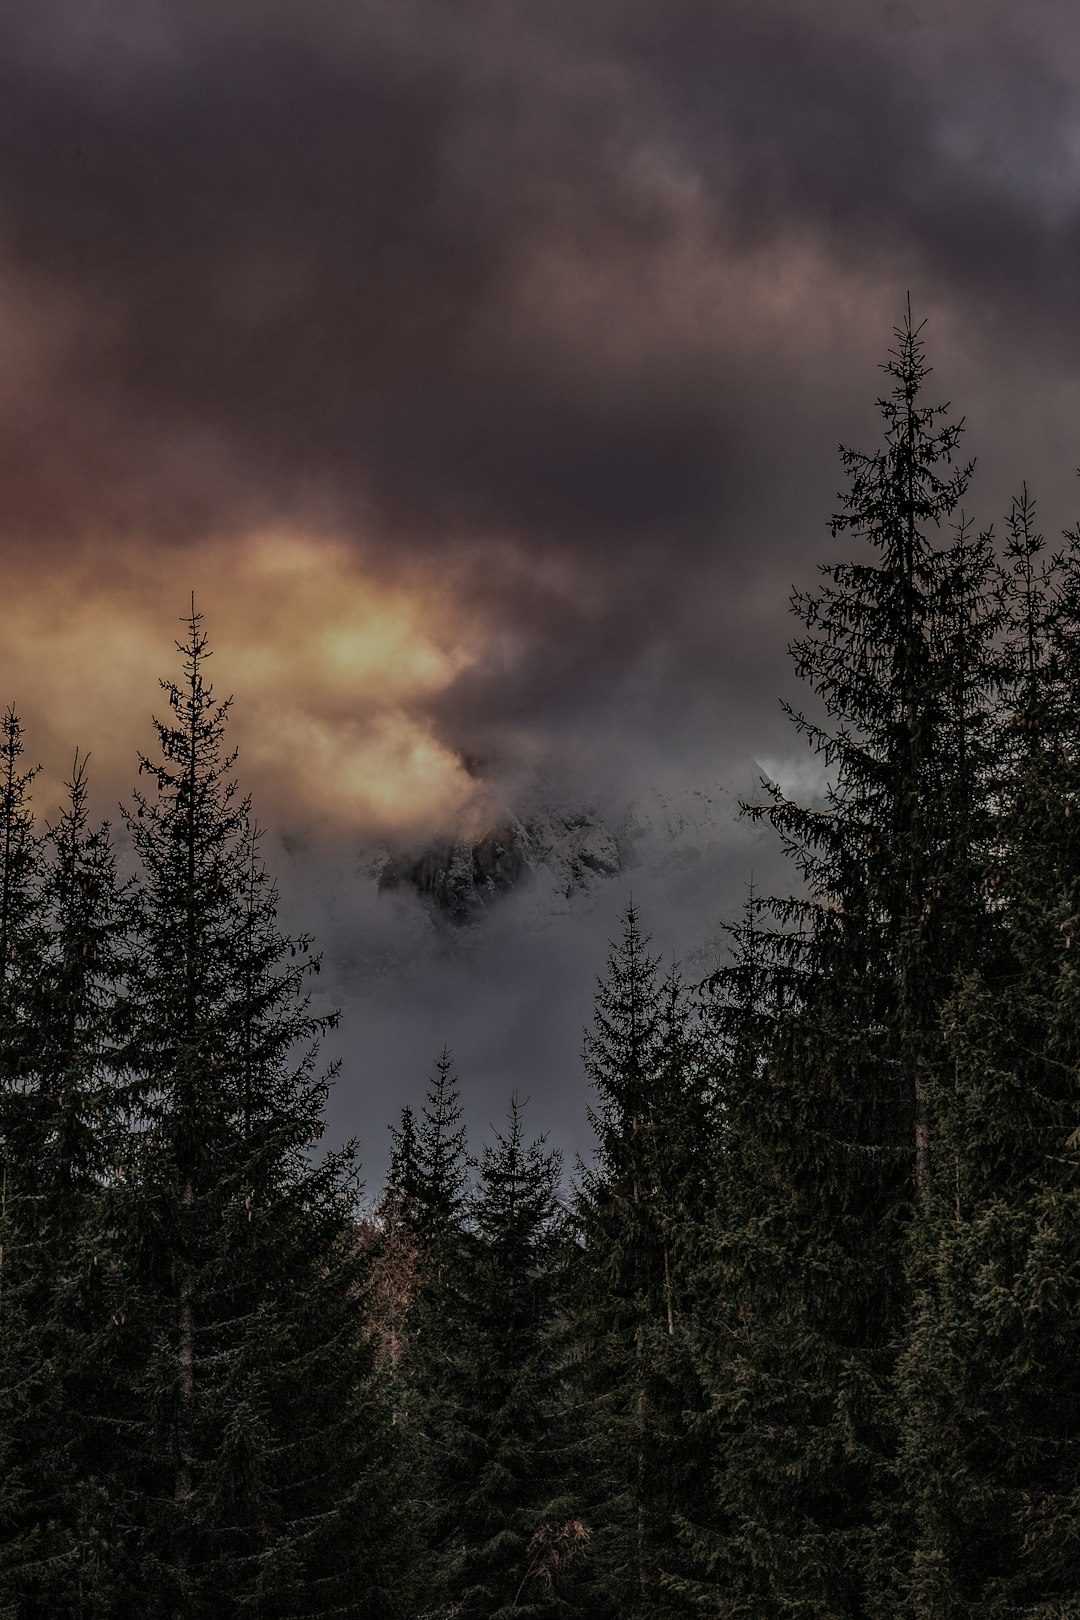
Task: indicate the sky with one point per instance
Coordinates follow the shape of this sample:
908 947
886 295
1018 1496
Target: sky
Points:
481 369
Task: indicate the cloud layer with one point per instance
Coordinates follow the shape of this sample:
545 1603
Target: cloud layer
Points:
525 331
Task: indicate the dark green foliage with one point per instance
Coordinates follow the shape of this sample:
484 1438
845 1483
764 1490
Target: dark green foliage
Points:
989 1457
809 1262
61 1116
22 1544
77 1013
728 1539
437 1178
19 855
73 1139
22 943
403 1173
418 1247
635 1213
500 1531
248 1428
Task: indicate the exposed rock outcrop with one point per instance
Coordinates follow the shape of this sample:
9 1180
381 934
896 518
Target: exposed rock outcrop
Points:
460 877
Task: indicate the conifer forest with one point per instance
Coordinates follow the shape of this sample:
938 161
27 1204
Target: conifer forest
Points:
797 1339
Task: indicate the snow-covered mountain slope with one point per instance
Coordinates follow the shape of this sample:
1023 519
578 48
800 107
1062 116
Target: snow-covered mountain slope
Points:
491 940
562 855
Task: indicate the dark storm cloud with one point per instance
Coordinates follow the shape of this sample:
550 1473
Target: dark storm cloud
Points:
495 288
936 139
557 307
282 242
286 247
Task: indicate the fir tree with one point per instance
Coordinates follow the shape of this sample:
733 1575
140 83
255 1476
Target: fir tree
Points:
21 944
423 1221
989 1458
635 1209
21 948
73 1139
742 1001
251 1479
439 1171
395 1248
814 1265
401 1197
502 1529
19 850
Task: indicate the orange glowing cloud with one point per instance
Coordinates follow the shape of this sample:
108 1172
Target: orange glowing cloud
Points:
332 669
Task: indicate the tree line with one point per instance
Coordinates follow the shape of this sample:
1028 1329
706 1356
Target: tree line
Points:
799 1342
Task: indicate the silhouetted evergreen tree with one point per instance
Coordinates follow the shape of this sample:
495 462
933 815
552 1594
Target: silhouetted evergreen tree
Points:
395 1252
501 1526
425 1212
635 1212
71 1142
440 1163
252 1476
401 1196
23 1541
815 1264
20 1541
21 947
730 1313
416 1241
990 1453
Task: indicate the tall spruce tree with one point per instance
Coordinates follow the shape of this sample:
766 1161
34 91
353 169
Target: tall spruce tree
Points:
503 1530
741 1002
19 852
74 1119
424 1220
416 1241
635 1210
394 1248
989 1453
22 1542
251 1478
815 1264
439 1170
21 948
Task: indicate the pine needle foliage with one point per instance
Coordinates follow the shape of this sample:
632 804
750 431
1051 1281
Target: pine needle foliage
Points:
422 1238
501 1506
23 1541
75 1118
989 1454
440 1169
248 1425
811 1264
634 1211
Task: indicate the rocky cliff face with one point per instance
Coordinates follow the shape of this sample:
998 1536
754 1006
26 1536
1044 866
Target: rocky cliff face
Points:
567 851
563 856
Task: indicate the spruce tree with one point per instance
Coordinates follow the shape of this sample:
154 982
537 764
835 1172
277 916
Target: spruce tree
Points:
73 1138
502 1530
394 1248
402 1174
989 1457
253 1446
635 1211
21 948
423 1221
439 1171
741 1002
814 1267
22 1543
